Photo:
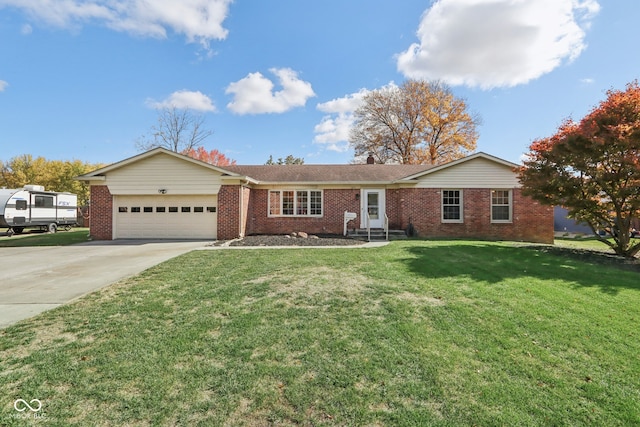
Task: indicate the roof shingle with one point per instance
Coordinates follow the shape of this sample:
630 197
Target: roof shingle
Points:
326 173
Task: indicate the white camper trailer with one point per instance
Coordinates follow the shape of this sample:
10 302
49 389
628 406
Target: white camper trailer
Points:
31 206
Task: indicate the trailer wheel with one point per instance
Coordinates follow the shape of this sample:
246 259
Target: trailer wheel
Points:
53 227
10 232
18 230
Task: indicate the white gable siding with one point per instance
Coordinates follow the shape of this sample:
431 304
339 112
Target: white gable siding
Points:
162 171
475 173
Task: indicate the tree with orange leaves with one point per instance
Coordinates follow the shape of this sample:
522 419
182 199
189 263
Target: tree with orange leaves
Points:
419 122
213 157
592 168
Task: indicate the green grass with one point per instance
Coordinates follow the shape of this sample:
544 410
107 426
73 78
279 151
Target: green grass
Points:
61 238
415 333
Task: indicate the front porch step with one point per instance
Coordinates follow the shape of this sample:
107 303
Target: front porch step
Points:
376 234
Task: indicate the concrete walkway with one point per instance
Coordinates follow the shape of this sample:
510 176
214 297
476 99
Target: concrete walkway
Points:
36 279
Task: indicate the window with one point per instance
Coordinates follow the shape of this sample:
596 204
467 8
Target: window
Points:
500 205
274 203
302 207
211 209
198 209
122 209
21 205
295 203
316 203
161 209
451 206
148 209
287 203
173 209
186 209
135 209
44 201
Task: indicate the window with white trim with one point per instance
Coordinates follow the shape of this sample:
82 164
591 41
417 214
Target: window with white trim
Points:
295 203
451 206
501 206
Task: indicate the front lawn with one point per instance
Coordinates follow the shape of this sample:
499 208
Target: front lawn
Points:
414 333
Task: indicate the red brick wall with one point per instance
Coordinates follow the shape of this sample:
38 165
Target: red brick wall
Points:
101 213
229 212
335 202
531 221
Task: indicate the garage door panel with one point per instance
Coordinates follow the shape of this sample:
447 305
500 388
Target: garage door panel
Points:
168 217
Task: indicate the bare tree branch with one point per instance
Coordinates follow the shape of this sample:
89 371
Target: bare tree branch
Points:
177 130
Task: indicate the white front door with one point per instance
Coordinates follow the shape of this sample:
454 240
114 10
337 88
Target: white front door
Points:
372 202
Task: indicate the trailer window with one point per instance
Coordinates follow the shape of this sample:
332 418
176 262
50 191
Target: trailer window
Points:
21 205
44 201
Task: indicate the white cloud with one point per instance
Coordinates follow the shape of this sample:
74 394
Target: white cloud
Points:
185 99
496 43
3 85
254 94
199 20
26 29
333 130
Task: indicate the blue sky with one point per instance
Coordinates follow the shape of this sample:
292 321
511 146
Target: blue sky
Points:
82 79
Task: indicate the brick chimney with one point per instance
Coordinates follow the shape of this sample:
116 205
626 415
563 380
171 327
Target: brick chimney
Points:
370 159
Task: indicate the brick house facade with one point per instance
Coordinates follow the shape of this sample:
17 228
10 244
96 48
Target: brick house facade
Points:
475 197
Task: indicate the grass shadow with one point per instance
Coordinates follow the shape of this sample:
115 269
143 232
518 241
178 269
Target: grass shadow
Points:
497 262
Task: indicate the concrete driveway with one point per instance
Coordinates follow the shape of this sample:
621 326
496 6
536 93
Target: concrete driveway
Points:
36 279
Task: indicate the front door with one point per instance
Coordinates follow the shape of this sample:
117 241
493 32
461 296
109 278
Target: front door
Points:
372 204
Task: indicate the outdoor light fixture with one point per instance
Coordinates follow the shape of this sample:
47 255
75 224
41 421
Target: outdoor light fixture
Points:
162 191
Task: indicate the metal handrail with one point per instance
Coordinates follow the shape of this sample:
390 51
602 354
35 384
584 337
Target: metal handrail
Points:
368 227
386 225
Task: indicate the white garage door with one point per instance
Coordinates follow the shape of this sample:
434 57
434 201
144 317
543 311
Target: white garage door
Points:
165 217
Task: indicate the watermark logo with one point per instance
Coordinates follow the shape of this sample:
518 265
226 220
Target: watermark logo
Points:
32 410
22 405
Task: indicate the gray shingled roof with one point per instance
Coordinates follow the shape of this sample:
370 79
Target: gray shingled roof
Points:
326 173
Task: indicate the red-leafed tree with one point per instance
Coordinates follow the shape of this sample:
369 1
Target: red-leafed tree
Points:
213 157
592 168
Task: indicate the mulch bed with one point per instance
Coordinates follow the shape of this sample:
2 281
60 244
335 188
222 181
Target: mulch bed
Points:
280 240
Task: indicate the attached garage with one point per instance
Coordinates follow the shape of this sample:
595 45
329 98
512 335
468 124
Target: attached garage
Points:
159 195
165 217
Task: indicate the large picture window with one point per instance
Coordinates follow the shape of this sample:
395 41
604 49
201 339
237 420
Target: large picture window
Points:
451 206
501 206
295 203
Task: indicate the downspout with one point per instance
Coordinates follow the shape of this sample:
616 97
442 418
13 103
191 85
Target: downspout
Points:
241 207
